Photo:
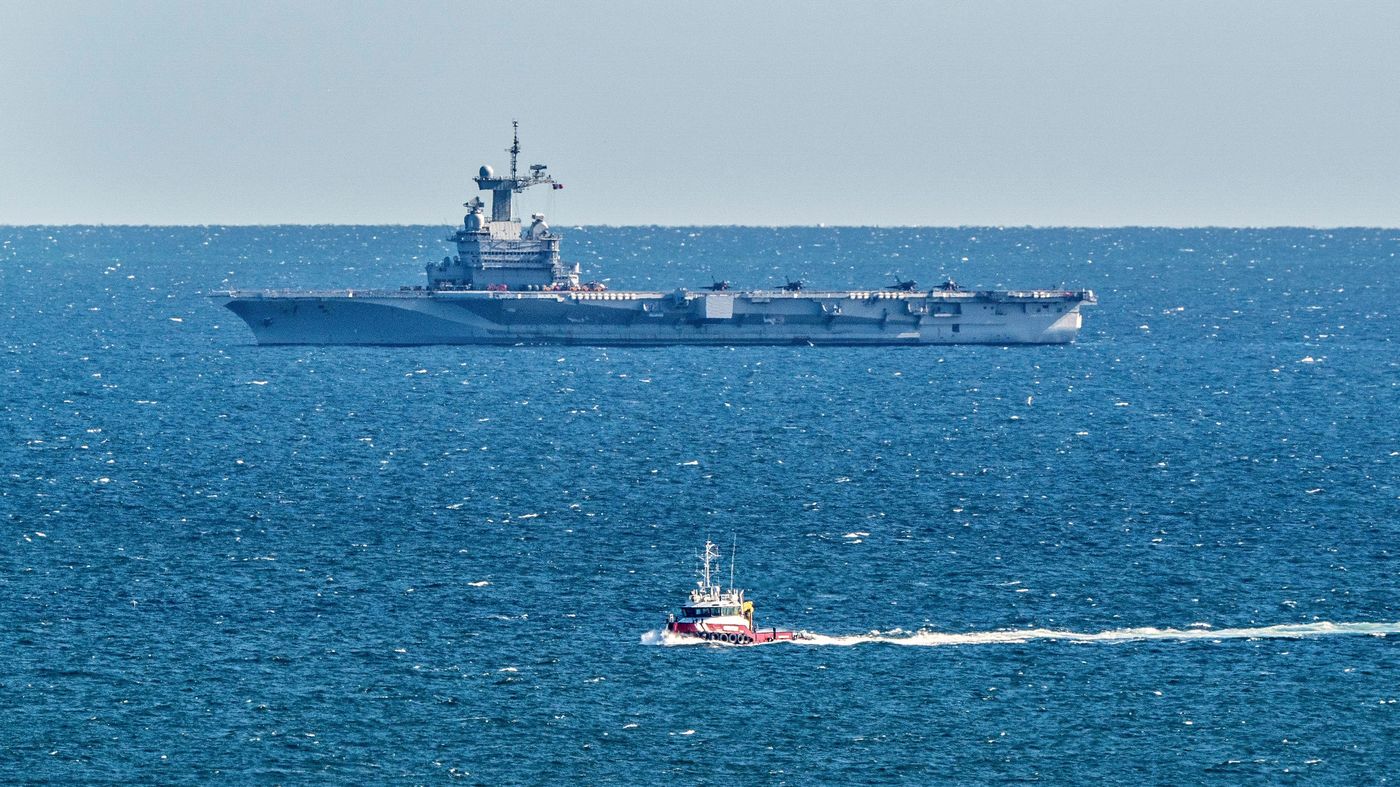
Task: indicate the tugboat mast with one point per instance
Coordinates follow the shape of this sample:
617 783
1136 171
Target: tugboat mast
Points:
733 549
711 555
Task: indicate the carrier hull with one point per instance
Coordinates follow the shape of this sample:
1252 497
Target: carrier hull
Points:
507 285
425 317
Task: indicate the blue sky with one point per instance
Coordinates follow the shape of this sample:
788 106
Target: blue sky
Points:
924 113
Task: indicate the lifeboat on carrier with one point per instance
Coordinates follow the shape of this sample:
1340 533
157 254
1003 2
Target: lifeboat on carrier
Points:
720 615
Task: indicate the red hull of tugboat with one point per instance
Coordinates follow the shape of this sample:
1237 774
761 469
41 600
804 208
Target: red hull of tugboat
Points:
733 635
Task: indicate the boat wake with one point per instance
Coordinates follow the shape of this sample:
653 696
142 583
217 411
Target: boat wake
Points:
1200 631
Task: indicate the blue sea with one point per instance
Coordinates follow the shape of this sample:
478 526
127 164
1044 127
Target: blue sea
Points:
1166 554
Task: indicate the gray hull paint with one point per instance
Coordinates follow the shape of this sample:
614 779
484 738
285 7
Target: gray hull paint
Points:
509 286
417 317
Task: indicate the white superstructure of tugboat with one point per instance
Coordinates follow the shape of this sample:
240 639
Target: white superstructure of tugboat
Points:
507 284
717 614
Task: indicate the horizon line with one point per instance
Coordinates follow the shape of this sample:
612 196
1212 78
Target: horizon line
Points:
1316 227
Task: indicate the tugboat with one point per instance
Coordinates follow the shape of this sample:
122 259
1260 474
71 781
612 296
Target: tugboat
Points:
715 614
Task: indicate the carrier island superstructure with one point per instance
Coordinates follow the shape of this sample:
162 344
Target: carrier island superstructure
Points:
507 284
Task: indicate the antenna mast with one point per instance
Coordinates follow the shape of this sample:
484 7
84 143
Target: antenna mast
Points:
733 546
502 187
711 554
514 146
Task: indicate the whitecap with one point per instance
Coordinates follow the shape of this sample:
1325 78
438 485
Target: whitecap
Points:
668 639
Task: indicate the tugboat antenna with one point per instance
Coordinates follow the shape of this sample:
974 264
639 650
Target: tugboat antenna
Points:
733 547
711 553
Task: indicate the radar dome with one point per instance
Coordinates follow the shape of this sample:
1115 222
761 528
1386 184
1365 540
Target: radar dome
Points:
486 171
539 229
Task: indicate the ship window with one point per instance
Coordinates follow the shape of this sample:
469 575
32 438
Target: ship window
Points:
957 328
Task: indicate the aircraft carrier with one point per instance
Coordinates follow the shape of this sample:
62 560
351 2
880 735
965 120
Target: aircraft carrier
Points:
507 285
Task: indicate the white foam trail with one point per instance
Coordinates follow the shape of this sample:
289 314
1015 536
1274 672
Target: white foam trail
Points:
1013 637
1199 631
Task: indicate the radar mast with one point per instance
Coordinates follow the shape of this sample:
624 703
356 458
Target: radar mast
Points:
501 188
514 149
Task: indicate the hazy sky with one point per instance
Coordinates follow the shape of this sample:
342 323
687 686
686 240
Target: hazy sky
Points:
931 113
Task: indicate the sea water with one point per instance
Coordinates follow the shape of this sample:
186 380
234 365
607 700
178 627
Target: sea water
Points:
1165 553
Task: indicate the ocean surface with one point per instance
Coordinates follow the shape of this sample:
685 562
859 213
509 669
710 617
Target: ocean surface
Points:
1166 554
